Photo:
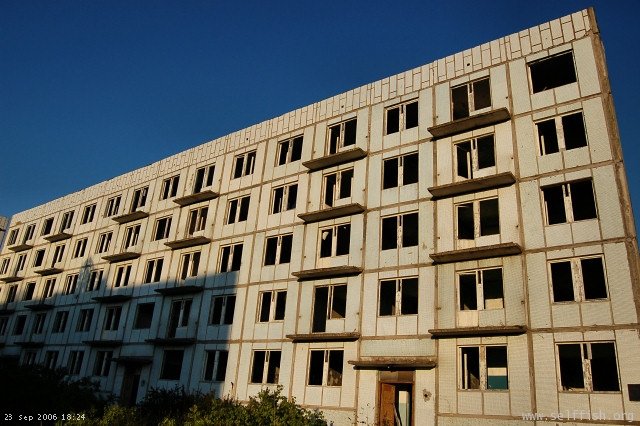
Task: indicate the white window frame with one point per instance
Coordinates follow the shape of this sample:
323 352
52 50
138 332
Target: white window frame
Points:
104 241
567 202
577 276
560 133
401 159
139 199
95 279
189 265
234 208
70 284
587 374
277 256
232 250
166 220
273 302
400 224
285 150
402 116
197 220
88 214
285 202
153 270
113 206
335 196
483 385
326 380
477 216
80 248
332 231
244 164
226 304
169 188
131 236
341 132
266 366
472 157
206 181
122 276
397 307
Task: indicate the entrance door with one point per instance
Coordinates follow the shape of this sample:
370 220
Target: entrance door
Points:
395 404
130 384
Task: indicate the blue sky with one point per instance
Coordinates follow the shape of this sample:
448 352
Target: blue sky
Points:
93 89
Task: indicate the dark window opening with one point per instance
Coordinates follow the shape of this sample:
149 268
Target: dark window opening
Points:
460 100
593 278
387 305
470 97
497 377
144 316
470 358
489 217
316 368
552 72
257 370
562 282
575 135
389 232
582 200
390 173
344 237
547 137
604 368
334 373
463 159
393 120
411 115
468 292
172 365
571 373
465 222
492 288
554 201
486 152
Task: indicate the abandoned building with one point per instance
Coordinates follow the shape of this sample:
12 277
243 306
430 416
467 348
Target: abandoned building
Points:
452 242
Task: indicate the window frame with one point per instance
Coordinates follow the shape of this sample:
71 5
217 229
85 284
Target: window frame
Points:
233 261
325 378
399 284
472 88
270 368
226 310
402 116
477 218
238 209
274 304
340 136
560 131
244 164
169 187
286 150
483 369
586 361
577 278
400 231
280 256
568 201
286 201
334 231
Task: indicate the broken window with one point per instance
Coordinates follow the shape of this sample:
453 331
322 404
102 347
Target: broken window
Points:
28 233
329 302
398 297
342 135
50 359
565 132
29 358
272 305
337 186
569 202
153 271
84 320
70 284
22 260
578 279
474 155
38 324
222 310
112 318
75 362
215 368
13 237
278 249
204 178
38 259
80 248
139 198
102 365
179 315
67 219
590 367
104 240
478 219
230 258
144 316
400 231
484 368
29 290
112 207
238 210
60 321
189 265
289 151
49 285
325 367
169 187
171 364
11 294
284 198
4 321
404 116
470 97
131 235
197 220
123 273
399 171
265 367
334 241
95 279
553 71
47 226
18 328
162 228
5 264
481 289
244 164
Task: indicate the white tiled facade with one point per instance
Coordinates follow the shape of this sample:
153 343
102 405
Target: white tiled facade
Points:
454 243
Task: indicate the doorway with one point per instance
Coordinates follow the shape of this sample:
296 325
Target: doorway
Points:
130 385
396 398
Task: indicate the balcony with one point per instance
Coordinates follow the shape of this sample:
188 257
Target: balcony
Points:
48 271
128 254
113 298
395 363
473 185
470 123
58 237
10 278
20 247
186 242
173 341
331 272
499 330
180 290
198 197
335 159
332 213
103 343
324 337
477 253
130 217
40 306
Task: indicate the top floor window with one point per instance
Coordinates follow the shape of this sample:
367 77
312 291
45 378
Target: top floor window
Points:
342 135
113 205
469 97
139 198
28 233
88 213
13 236
244 164
169 187
289 151
204 178
401 117
47 226
552 72
67 218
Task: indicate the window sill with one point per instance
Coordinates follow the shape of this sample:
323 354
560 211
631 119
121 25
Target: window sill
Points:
332 272
473 122
338 158
332 213
196 198
324 337
476 253
187 242
472 185
130 217
500 330
395 363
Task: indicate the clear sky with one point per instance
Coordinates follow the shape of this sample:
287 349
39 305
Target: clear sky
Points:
93 89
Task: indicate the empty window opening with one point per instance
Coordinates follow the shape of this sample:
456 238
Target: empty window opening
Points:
144 316
84 320
552 72
342 135
172 365
278 249
28 233
244 164
284 198
47 226
578 279
88 213
112 207
238 210
569 202
104 241
230 258
189 265
95 279
404 116
5 263
398 297
131 235
475 155
588 367
22 260
478 219
204 178
162 228
481 289
216 366
81 246
222 310
75 362
70 284
112 318
484 368
325 367
272 306
67 219
103 363
197 220
470 97
329 302
13 237
49 285
566 132
265 367
153 271
179 316
18 328
400 231
399 171
334 241
169 187
29 291
123 273
11 294
337 186
51 359
289 151
139 198
60 321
